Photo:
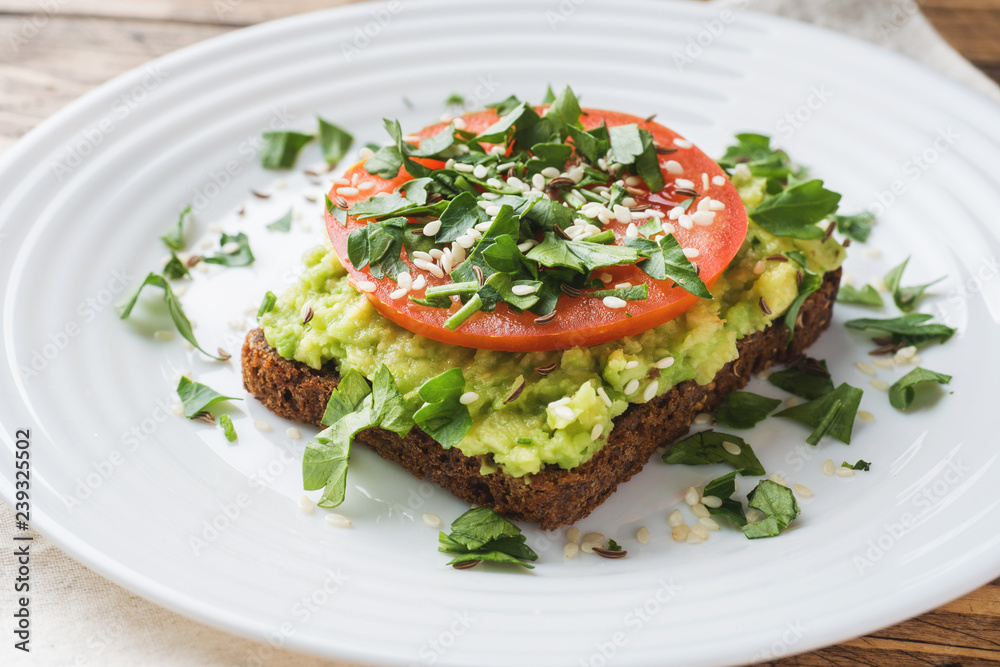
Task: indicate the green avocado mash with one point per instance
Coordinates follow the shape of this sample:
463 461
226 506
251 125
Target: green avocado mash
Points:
554 418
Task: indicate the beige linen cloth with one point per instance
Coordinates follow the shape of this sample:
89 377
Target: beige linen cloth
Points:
80 618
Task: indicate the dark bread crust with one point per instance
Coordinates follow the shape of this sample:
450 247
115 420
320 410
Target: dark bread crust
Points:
554 497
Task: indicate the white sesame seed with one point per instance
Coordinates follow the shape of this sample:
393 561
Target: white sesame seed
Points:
306 505
759 267
230 248
642 535
526 246
883 363
631 387
691 253
791 402
564 413
348 192
881 385
716 206
708 523
422 263
293 433
685 221
650 392
703 218
700 510
432 228
866 416
665 362
711 501
676 212
702 419
680 533
700 530
674 167
418 283
718 180
492 211
420 254
828 467
367 286
177 409
367 185
684 183
262 426
614 302
404 280
692 496
523 290
468 398
682 143
517 182
446 263
631 364
431 520
163 336
595 432
538 181
777 479
731 447
604 215
340 181
562 401
865 368
704 203
399 294
675 519
338 520
802 491
464 168
480 171
465 241
704 181
843 472
604 396
571 549
629 202
622 214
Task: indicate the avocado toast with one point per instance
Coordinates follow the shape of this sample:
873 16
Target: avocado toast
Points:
572 343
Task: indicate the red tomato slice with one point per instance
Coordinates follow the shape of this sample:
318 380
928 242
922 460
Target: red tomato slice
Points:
581 321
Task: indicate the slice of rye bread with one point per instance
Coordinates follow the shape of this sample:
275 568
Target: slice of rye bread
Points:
554 497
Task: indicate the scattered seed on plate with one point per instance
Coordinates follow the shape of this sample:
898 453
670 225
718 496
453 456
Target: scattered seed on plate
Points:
828 467
777 479
866 416
691 496
338 520
306 505
571 549
843 472
163 335
712 501
680 533
431 520
294 433
709 523
731 447
642 535
802 491
881 385
262 426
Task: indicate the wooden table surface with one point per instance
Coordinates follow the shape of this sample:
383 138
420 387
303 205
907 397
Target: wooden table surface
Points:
87 42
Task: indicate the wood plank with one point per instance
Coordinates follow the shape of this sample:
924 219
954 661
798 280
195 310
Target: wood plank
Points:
216 12
975 33
72 55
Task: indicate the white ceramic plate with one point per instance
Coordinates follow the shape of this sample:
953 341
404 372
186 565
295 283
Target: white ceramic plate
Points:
84 197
